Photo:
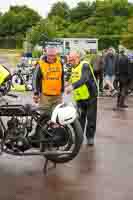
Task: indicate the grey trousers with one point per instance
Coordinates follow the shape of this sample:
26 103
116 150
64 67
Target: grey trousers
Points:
48 103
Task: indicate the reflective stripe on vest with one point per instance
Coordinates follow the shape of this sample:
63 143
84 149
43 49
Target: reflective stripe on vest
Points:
51 81
81 93
4 73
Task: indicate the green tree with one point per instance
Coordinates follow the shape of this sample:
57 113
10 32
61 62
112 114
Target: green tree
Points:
127 36
82 11
60 9
17 20
43 31
110 21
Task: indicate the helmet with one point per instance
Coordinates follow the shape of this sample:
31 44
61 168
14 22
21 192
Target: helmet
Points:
64 114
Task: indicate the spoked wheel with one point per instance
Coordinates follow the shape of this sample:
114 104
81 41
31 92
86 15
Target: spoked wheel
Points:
116 93
16 79
130 92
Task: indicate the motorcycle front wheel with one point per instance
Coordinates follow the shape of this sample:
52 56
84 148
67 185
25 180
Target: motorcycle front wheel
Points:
71 149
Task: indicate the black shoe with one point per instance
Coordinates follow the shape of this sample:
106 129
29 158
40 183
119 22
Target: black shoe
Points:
124 106
90 142
116 108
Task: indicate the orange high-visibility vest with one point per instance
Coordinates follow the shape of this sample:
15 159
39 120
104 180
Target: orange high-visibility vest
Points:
52 78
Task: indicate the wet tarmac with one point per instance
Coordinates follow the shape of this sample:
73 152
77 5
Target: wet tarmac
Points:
102 172
4 61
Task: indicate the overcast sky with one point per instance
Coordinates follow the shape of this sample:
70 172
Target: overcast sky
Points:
42 6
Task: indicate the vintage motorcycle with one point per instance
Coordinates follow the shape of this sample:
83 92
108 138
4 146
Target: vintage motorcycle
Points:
26 130
23 75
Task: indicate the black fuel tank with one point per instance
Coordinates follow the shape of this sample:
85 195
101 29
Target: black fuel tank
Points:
12 110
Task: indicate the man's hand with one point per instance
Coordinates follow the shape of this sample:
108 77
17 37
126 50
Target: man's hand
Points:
68 89
36 98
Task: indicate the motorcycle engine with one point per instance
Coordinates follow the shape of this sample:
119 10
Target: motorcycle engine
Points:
58 135
16 139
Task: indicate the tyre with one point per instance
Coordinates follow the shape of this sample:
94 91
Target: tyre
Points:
8 85
1 133
1 139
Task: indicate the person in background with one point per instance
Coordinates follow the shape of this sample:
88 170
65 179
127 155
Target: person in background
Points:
67 69
109 65
44 52
123 76
130 57
84 87
98 65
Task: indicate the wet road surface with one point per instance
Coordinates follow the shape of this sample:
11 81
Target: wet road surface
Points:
4 60
104 172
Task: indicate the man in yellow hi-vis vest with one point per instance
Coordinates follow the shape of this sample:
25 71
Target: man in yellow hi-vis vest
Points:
85 91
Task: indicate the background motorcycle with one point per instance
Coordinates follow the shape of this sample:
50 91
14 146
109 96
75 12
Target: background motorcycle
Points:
23 76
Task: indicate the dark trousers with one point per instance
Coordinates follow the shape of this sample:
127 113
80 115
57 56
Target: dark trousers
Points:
99 76
88 110
123 93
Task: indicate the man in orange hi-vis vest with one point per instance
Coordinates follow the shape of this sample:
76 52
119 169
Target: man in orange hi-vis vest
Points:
48 80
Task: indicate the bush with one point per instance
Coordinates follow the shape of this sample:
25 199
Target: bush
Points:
36 53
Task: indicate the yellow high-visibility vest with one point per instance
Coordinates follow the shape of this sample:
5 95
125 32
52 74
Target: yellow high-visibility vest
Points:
81 93
4 73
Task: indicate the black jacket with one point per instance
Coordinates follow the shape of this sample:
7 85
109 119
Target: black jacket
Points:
122 68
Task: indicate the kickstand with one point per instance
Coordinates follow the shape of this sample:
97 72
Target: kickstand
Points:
45 168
